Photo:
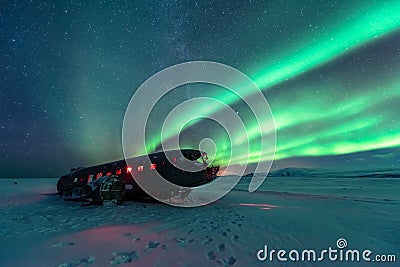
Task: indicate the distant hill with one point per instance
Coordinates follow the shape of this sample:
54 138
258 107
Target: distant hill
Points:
309 172
295 172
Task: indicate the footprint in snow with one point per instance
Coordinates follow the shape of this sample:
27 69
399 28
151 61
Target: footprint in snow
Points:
123 257
135 239
59 243
208 241
75 263
230 260
152 244
234 237
211 255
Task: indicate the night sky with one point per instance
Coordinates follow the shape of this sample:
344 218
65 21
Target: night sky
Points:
330 71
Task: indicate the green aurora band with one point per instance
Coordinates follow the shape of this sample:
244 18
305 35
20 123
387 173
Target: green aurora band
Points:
310 127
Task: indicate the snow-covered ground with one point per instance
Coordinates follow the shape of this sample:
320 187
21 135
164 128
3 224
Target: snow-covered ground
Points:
40 229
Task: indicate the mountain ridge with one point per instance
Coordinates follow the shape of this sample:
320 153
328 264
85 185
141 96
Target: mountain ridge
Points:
310 172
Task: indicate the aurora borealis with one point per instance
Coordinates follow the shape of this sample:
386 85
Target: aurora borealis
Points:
329 70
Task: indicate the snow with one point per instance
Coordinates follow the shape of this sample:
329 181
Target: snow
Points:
301 212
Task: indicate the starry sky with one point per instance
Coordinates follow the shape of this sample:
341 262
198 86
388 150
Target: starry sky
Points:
329 70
